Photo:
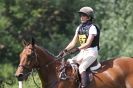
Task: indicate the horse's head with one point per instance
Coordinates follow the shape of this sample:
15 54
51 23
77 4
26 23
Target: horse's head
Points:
28 59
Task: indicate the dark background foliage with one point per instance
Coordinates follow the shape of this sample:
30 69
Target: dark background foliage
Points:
53 22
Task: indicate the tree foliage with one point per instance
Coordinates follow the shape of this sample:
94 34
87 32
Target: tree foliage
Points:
53 22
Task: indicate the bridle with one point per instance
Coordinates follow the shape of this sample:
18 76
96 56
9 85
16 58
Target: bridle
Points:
27 68
34 55
36 65
30 70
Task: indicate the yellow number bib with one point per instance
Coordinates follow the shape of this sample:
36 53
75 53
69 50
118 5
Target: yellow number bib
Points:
82 39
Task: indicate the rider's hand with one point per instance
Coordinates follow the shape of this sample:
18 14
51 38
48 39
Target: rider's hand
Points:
62 53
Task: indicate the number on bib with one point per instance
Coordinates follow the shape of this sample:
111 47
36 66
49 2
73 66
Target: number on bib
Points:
82 39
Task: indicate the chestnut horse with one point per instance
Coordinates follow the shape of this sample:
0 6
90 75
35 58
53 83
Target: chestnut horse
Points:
114 73
33 56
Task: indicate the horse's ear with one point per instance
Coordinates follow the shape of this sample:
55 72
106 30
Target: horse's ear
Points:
33 41
24 43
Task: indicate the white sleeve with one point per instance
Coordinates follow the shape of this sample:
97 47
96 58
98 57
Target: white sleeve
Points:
76 32
93 30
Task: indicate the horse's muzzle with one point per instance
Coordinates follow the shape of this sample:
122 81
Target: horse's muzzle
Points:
20 77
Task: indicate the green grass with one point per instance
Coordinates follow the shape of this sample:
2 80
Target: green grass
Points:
7 72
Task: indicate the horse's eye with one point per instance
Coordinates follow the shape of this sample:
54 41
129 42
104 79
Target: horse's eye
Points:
31 56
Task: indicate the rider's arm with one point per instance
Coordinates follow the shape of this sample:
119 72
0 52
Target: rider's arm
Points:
73 42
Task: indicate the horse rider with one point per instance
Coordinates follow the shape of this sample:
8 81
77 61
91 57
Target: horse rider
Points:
88 36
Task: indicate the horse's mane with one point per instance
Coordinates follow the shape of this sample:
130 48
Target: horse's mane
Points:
45 50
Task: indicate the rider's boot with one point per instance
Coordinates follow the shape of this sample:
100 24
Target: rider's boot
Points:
84 80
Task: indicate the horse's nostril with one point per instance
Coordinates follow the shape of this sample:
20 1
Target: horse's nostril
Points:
20 77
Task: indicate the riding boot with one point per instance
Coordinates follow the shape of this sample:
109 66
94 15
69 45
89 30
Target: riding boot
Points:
84 80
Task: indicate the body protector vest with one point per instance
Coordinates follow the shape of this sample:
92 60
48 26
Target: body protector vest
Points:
83 33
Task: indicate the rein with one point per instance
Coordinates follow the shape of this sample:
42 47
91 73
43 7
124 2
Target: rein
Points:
57 58
34 80
37 66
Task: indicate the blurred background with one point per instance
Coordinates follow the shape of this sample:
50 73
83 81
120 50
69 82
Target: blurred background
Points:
52 23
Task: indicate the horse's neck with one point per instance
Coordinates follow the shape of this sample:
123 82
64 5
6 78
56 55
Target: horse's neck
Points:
48 78
47 74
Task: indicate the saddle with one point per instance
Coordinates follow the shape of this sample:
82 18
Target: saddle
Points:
96 65
93 69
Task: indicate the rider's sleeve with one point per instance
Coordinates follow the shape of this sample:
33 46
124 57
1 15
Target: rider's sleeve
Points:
76 32
93 30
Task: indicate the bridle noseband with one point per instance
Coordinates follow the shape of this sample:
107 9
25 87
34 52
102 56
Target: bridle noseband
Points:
32 56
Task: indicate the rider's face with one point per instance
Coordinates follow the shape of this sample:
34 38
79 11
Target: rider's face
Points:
84 18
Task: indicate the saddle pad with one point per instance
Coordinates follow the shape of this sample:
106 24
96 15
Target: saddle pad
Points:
94 68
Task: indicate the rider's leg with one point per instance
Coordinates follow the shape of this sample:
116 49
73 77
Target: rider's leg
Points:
76 59
84 79
82 70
